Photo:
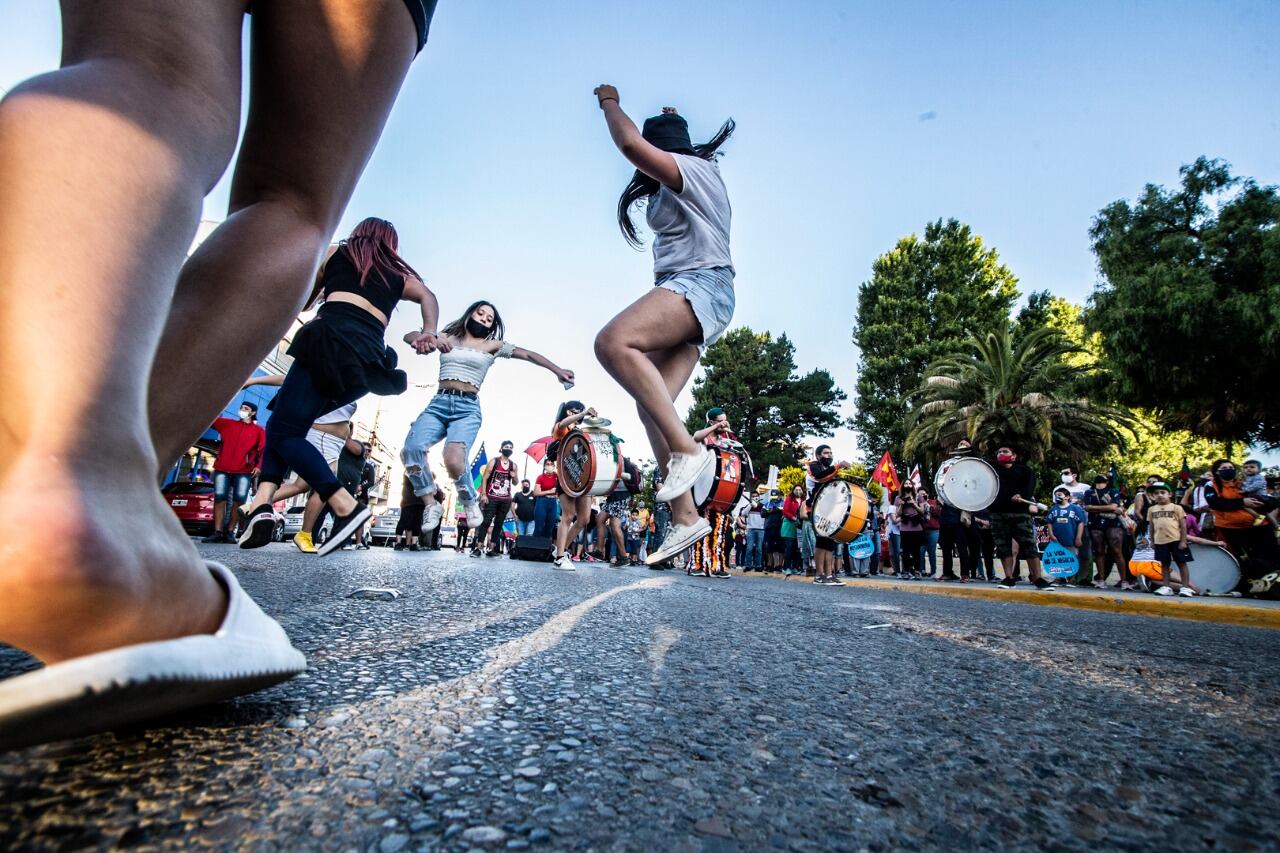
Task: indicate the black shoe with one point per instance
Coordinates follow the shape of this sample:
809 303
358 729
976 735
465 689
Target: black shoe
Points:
475 552
214 538
343 528
1007 583
399 547
1043 585
414 548
258 527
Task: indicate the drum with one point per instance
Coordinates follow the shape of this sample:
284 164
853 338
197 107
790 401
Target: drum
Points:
967 483
840 510
589 464
720 487
1214 570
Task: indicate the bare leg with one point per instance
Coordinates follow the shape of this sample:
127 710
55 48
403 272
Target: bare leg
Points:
659 320
325 75
103 165
675 365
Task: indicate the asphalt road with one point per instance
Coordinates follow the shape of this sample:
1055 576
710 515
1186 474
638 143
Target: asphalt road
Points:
499 704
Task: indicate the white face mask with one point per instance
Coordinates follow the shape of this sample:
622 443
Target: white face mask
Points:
245 414
1067 478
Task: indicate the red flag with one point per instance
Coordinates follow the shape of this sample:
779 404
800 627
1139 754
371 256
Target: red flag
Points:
886 475
914 477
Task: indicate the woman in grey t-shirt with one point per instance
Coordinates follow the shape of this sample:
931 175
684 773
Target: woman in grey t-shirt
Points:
652 347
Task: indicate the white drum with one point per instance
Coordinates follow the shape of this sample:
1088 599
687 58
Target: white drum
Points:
1214 570
589 464
966 482
840 510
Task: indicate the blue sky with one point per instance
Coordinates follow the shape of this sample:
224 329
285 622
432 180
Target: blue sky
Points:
857 124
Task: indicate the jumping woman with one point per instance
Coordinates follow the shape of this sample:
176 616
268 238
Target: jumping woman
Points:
339 357
652 347
474 341
575 513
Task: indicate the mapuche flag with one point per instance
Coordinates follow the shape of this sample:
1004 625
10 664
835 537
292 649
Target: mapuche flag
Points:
886 475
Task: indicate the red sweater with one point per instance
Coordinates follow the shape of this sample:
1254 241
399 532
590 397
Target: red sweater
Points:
242 445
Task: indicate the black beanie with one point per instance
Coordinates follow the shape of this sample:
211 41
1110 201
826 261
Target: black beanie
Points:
670 132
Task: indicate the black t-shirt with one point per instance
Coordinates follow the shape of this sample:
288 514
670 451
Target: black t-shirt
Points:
524 505
1017 479
350 469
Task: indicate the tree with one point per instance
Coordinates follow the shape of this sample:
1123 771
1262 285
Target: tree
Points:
1152 449
997 393
1044 310
752 376
924 298
1189 304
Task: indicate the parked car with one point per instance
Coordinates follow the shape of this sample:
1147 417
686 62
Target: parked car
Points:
193 503
383 529
293 524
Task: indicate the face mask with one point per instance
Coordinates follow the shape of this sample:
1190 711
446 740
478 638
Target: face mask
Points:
506 451
478 330
1225 473
524 487
1061 499
1004 457
245 415
1067 478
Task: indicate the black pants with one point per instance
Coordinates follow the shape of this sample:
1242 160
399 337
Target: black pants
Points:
912 542
952 540
1254 547
970 551
494 513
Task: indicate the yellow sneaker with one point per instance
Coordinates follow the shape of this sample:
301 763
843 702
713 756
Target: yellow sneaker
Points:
303 540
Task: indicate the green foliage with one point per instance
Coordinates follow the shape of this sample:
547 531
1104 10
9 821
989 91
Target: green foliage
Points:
1044 310
1189 305
789 478
1154 450
752 376
998 393
924 298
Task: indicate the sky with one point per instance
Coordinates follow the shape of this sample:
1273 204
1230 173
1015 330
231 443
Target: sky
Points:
858 123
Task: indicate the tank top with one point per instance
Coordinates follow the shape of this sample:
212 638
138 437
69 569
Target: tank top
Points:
341 276
500 480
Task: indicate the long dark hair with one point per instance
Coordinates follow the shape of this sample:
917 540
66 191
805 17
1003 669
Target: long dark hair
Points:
374 245
563 411
642 186
459 326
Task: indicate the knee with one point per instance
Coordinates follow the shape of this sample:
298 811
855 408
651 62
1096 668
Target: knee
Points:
608 346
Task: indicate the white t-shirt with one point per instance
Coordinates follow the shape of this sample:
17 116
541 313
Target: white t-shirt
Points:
338 416
691 227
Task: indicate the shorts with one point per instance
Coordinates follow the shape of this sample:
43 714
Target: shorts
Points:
421 10
1106 537
709 293
330 446
1010 527
619 508
825 543
1171 553
231 485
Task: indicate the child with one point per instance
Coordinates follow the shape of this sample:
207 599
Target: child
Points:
1255 486
1169 536
634 528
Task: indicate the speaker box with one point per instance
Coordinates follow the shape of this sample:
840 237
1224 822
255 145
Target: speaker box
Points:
535 548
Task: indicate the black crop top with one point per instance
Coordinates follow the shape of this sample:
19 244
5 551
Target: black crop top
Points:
341 276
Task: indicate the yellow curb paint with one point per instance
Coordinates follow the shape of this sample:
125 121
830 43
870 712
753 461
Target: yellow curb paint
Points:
1134 604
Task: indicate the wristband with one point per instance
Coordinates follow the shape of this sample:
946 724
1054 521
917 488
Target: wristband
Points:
602 100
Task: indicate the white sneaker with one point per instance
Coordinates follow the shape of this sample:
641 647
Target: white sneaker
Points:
564 564
1164 590
1187 592
474 516
432 520
683 471
679 538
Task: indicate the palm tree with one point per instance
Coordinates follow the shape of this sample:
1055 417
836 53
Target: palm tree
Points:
1000 393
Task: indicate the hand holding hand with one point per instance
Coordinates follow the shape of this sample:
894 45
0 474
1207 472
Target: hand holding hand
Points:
605 92
1253 503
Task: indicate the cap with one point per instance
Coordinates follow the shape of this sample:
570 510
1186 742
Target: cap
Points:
668 131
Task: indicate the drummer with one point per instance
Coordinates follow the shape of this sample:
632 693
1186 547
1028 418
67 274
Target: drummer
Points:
1011 524
822 469
575 513
710 554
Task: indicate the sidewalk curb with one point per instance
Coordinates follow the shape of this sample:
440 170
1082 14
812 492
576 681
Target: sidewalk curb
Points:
1133 604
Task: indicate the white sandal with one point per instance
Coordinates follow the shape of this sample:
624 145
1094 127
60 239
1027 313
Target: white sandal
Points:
131 684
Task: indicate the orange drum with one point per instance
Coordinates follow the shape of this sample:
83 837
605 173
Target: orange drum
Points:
719 489
840 510
589 464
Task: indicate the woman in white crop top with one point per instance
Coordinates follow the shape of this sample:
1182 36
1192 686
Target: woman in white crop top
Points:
652 347
453 415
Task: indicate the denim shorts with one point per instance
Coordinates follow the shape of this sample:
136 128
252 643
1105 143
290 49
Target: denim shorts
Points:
710 295
447 417
231 485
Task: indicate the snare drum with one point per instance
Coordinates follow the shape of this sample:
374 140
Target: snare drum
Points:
840 510
589 464
1214 571
967 483
720 487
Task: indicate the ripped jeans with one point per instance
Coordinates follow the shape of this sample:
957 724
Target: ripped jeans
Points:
447 417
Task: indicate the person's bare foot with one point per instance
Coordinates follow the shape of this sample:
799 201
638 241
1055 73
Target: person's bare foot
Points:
92 560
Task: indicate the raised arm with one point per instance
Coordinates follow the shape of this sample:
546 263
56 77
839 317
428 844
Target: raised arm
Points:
648 158
571 420
269 379
542 361
426 340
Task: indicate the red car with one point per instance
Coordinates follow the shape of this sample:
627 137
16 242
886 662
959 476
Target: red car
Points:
193 504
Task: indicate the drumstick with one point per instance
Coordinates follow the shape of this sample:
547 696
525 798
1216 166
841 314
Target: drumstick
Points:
1036 504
